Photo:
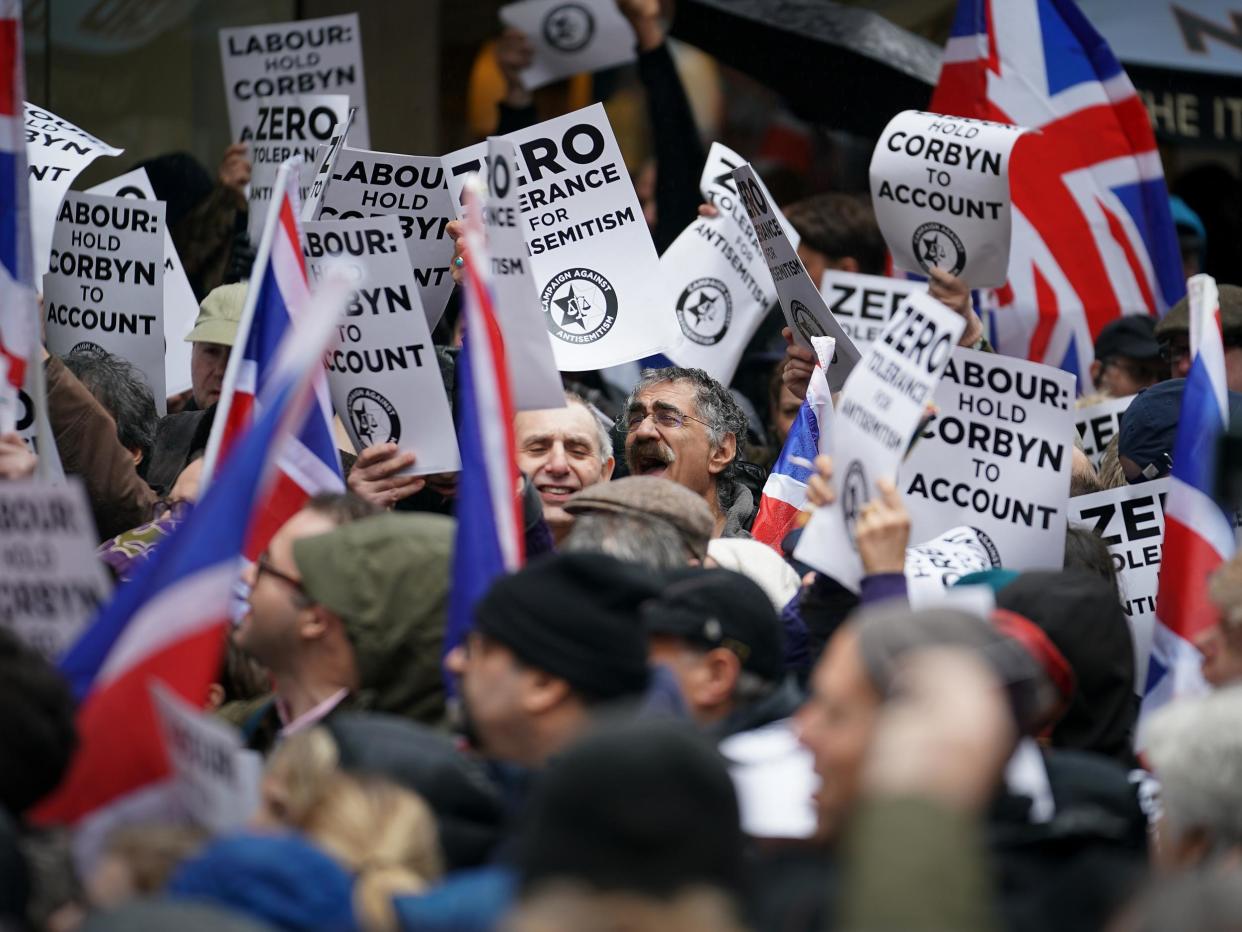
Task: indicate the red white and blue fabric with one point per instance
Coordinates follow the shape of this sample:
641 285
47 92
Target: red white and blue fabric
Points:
168 623
1093 238
784 492
309 462
1198 532
489 541
19 315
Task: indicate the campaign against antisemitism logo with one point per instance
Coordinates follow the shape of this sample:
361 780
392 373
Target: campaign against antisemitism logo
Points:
374 418
805 321
581 306
569 27
86 347
936 245
704 311
853 496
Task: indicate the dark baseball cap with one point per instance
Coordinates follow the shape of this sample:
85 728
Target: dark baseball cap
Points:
719 608
1133 336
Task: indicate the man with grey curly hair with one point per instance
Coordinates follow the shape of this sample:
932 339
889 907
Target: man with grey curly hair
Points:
683 425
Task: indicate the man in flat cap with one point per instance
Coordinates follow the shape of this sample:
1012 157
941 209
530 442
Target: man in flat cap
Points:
640 519
682 424
552 645
1173 334
347 611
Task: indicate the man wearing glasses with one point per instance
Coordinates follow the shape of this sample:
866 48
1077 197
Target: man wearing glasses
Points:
1173 332
683 425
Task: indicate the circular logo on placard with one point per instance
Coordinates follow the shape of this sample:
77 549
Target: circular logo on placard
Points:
853 496
704 311
987 550
373 416
804 320
86 347
580 305
936 245
568 27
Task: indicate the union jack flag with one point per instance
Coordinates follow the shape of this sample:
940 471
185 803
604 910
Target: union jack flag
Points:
1093 238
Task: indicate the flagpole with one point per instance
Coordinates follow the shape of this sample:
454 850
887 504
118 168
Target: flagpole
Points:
236 356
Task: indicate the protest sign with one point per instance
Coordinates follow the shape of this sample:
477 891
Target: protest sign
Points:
997 458
862 304
594 263
180 305
384 376
574 37
325 163
878 413
934 566
215 780
56 153
1098 424
805 311
412 189
714 278
528 345
284 60
51 583
105 284
940 186
1130 519
279 128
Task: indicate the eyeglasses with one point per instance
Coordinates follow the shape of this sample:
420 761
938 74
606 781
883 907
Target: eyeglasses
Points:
262 565
667 418
1172 352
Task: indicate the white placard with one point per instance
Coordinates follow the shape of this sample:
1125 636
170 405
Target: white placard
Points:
325 163
282 60
180 305
595 265
714 278
105 284
1130 519
215 779
933 567
51 582
383 374
940 186
863 304
805 311
411 188
1098 424
996 458
878 412
56 152
528 345
571 37
279 128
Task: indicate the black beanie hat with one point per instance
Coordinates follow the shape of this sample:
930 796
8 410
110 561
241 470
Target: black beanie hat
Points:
576 616
646 806
36 725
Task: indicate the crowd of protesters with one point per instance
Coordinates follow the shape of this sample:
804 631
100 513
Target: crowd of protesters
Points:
658 723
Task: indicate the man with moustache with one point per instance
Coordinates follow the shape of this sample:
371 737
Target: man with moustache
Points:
683 425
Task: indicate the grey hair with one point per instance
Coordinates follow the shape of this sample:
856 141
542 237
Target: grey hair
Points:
648 541
716 405
1195 749
122 390
602 424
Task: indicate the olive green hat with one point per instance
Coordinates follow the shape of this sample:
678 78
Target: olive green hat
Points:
219 315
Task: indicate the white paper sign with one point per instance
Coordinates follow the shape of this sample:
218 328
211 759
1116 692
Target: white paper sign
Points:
1098 424
933 567
940 186
1131 521
878 412
105 286
570 37
595 265
56 152
279 128
325 164
997 458
180 305
282 60
715 280
528 345
412 189
863 304
215 779
805 311
51 582
383 375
